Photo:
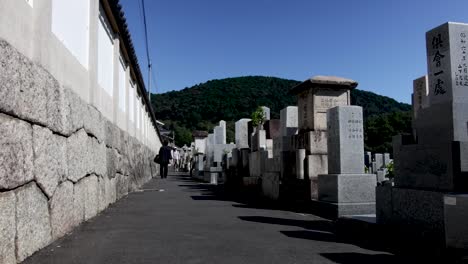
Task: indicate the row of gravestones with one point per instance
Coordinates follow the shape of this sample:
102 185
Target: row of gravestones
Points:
316 150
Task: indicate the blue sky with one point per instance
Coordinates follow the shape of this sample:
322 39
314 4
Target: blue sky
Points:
380 44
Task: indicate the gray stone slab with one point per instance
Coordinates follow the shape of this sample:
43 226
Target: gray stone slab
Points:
455 215
7 227
50 164
272 128
79 197
16 153
257 163
300 157
271 185
61 210
33 223
379 160
347 188
220 150
418 209
266 112
289 121
383 203
78 157
91 197
345 140
420 95
121 185
315 142
258 140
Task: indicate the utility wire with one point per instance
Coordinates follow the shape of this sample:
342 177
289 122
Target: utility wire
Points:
147 48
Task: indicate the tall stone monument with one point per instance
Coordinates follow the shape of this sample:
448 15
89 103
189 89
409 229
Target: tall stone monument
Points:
315 97
431 171
346 188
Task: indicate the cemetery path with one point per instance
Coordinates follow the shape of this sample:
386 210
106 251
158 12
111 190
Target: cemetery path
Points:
178 220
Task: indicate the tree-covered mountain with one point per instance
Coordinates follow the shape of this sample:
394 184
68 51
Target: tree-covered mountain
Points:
202 106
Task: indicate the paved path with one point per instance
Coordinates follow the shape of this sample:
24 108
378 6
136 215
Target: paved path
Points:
188 223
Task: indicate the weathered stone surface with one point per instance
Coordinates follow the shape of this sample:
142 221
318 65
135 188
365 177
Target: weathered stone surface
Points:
112 161
99 156
7 227
78 156
345 140
102 196
50 167
61 210
77 108
10 77
121 186
289 121
16 152
111 190
220 150
266 112
33 222
456 213
79 197
26 85
91 198
58 109
271 185
94 123
347 188
242 133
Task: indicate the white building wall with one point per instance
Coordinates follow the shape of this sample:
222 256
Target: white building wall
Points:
67 39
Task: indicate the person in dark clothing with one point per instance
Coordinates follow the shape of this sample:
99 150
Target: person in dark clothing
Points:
164 158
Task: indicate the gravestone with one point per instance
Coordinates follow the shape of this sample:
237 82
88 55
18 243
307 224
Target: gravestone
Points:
220 133
315 97
266 112
272 128
346 188
420 97
242 133
430 182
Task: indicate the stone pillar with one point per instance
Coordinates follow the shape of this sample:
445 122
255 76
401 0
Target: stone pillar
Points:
300 158
242 133
346 188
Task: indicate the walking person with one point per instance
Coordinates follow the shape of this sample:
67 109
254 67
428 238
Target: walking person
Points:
164 159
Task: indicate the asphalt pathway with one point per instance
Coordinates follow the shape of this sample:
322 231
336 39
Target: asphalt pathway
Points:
178 220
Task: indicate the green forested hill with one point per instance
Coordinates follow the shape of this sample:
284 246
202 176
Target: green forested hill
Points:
200 107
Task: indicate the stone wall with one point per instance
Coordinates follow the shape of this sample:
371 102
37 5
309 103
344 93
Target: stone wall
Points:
61 161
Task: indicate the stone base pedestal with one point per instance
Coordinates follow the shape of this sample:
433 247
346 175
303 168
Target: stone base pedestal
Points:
348 194
271 185
426 215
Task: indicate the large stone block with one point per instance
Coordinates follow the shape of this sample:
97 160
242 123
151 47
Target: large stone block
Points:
315 142
271 185
383 204
419 209
220 150
99 157
61 210
25 94
257 163
121 186
78 156
314 165
91 197
435 166
50 164
33 222
272 128
79 199
78 110
242 133
7 227
16 152
347 188
345 140
456 213
102 196
94 123
289 121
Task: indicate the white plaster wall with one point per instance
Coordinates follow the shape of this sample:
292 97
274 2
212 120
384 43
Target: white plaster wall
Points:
33 28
